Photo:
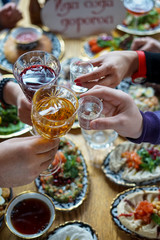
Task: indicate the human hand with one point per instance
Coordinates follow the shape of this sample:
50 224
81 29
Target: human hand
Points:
9 15
24 108
13 94
111 69
146 44
23 159
120 111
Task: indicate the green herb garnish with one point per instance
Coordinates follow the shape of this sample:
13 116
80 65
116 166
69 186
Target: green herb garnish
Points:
148 163
155 218
70 167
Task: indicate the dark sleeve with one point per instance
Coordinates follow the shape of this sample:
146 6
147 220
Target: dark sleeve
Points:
151 128
153 67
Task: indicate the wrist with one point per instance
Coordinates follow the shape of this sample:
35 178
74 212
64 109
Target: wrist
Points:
131 62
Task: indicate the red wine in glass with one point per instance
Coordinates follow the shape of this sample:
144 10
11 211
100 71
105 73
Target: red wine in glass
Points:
34 77
35 69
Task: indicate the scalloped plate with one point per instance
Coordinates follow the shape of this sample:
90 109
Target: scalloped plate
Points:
57 51
117 200
82 225
150 32
80 198
86 50
116 177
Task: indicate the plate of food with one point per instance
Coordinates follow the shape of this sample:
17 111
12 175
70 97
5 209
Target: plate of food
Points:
10 51
73 230
136 212
146 25
10 125
5 197
95 46
68 187
145 97
132 164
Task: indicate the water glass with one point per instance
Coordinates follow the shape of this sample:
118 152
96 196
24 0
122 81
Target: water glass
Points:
79 67
99 139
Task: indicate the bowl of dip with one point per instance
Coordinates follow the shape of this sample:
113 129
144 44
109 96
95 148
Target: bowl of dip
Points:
26 37
29 215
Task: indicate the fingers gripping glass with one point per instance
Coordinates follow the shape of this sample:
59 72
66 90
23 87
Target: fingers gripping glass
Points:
53 113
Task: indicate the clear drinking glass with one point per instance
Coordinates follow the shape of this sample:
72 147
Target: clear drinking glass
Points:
90 108
79 67
35 69
53 113
99 139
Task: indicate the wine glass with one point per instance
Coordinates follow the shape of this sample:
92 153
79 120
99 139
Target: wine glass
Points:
35 69
54 109
138 8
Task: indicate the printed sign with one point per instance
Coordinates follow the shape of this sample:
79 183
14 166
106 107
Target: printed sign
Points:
78 18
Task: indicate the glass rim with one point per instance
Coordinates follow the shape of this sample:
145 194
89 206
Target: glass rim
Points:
37 51
81 61
92 97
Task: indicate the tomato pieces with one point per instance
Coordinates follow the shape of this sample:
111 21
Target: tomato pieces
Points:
59 157
144 211
133 159
95 48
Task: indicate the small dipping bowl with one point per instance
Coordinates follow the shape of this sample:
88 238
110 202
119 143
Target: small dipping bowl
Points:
30 214
26 37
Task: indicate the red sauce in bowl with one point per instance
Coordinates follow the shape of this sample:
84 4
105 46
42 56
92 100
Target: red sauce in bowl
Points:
30 216
26 37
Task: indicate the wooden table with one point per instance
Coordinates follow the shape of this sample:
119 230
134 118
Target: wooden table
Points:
95 210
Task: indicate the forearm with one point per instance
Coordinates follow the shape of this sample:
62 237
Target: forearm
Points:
151 128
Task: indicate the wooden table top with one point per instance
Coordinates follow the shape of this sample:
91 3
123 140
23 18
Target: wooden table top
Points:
95 210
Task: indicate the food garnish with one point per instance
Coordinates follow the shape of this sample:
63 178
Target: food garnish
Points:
9 121
66 184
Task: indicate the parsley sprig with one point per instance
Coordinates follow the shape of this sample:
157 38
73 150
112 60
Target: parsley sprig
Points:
148 163
70 167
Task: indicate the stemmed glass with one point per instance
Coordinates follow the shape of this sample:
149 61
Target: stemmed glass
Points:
35 69
138 8
53 113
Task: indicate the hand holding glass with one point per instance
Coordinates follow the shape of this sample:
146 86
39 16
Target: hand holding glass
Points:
54 110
